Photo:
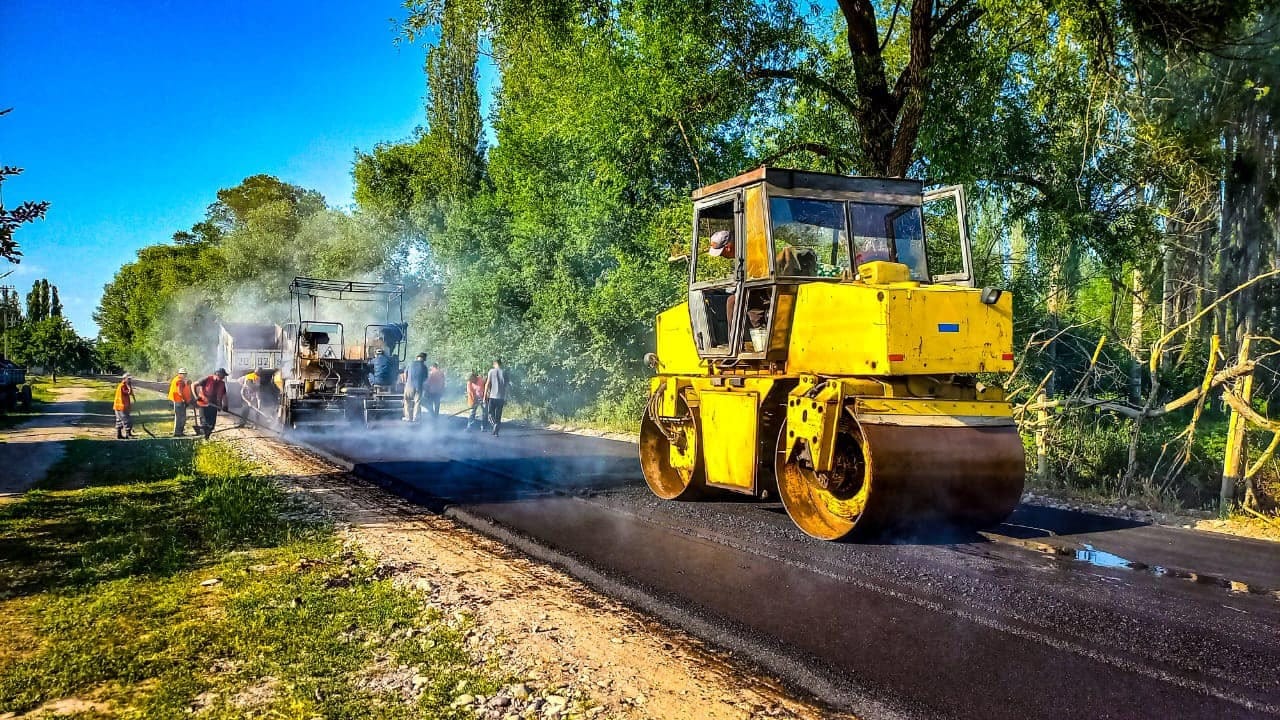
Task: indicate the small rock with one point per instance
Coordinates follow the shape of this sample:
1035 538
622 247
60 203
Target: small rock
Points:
500 701
519 691
463 701
420 680
210 582
556 701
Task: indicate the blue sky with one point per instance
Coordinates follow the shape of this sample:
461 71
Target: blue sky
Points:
129 116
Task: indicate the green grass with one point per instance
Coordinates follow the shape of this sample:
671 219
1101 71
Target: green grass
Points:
101 598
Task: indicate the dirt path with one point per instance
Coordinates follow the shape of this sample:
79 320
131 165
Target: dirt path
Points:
557 634
30 449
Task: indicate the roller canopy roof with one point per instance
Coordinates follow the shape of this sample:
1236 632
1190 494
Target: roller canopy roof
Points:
819 182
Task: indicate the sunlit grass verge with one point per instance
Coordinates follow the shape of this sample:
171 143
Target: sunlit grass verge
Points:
182 581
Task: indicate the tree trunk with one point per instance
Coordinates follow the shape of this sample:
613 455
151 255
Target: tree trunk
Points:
1135 336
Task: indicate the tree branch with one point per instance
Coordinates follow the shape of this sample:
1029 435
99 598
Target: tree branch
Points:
819 149
804 78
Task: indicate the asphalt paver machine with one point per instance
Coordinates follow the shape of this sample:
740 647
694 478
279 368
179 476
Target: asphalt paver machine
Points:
342 353
829 352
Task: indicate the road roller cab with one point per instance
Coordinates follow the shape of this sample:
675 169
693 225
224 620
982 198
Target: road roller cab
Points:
826 353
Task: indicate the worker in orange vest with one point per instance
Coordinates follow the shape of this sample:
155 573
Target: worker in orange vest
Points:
180 395
123 406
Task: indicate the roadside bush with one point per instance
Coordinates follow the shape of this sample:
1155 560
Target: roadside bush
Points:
1089 452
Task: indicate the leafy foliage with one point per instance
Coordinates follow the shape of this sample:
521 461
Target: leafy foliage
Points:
163 309
12 218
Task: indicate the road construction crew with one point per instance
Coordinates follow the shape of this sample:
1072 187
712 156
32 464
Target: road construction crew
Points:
251 389
211 396
384 373
123 406
475 400
495 394
414 376
434 390
180 396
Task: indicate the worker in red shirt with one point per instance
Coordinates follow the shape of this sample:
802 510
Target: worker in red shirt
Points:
211 396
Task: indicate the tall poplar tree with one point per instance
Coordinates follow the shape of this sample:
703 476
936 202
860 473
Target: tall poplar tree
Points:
455 130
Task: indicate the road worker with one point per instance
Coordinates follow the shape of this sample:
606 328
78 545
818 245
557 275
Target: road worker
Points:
211 396
434 390
180 396
495 394
251 389
123 407
414 376
475 400
384 371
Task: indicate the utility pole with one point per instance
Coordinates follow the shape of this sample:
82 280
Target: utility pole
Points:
7 291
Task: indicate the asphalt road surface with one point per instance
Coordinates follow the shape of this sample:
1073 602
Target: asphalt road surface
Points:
1053 615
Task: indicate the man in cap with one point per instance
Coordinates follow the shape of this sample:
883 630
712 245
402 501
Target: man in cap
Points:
180 396
414 376
722 245
123 406
211 396
384 370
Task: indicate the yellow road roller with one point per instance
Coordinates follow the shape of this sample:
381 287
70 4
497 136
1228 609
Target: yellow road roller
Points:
827 353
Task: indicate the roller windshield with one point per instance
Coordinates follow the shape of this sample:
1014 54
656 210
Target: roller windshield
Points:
890 233
810 237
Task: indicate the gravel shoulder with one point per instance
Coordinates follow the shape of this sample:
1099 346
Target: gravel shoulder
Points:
562 637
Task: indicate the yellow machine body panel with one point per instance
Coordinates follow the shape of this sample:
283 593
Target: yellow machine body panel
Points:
676 351
898 329
730 420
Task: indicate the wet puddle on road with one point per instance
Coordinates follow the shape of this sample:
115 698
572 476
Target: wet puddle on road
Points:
1102 558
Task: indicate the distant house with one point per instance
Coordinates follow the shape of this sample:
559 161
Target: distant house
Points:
244 346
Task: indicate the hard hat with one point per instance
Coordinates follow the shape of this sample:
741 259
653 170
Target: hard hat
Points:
182 371
721 243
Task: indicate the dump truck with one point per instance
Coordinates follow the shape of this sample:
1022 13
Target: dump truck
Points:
250 347
14 391
245 347
827 355
330 349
